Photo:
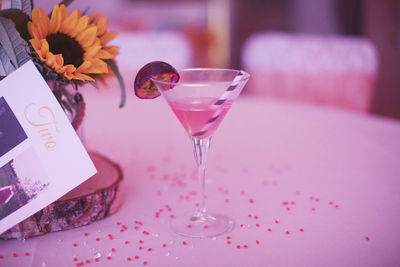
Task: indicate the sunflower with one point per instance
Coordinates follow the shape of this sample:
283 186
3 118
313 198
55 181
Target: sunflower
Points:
72 45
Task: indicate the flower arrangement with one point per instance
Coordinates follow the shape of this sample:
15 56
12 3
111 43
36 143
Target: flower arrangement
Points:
67 48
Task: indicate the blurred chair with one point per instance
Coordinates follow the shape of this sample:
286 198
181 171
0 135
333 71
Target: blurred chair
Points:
326 69
141 47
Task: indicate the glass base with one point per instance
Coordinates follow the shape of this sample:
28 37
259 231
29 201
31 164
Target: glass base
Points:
201 225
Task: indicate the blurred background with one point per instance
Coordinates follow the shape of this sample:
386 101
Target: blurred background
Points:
337 52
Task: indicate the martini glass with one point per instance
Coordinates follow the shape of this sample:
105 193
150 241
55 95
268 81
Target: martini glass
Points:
200 100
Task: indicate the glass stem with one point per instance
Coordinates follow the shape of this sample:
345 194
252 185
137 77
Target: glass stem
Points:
201 147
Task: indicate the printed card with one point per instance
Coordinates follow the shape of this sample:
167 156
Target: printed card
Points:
41 156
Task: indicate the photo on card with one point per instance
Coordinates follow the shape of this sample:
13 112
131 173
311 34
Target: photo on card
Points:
11 131
21 180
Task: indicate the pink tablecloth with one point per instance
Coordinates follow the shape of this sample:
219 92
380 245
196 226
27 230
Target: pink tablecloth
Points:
306 186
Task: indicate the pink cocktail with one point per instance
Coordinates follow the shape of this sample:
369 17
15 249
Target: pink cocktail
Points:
200 117
200 100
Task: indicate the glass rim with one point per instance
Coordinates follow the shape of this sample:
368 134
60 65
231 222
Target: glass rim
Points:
246 76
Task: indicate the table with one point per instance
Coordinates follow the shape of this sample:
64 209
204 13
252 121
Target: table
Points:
306 186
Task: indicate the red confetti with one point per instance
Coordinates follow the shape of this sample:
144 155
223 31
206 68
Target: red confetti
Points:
75 259
139 222
136 228
301 230
27 254
257 242
367 238
109 258
184 243
238 246
228 237
245 246
85 234
164 245
118 223
129 258
146 233
287 208
88 261
249 216
269 230
285 203
276 221
140 248
228 242
172 216
75 245
251 200
257 225
205 226
149 249
126 242
287 232
113 250
97 259
336 206
136 257
313 209
141 241
256 217
145 263
15 255
124 226
189 226
98 239
1 256
242 225
122 230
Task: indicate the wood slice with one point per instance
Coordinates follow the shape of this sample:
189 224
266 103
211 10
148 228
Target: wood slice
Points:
93 200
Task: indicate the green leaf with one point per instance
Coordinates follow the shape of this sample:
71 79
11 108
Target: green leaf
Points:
15 48
24 5
65 2
5 67
115 69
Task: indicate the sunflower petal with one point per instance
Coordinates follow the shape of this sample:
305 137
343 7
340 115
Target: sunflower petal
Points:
63 12
50 60
107 37
44 48
55 20
36 46
87 37
102 24
70 23
84 66
82 24
98 67
104 54
112 49
91 52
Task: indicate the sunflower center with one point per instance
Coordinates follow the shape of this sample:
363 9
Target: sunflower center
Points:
68 47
